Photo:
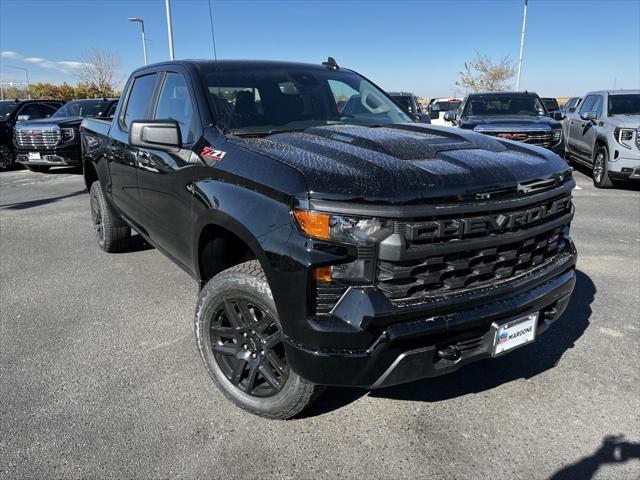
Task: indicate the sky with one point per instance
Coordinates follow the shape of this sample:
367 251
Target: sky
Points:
571 46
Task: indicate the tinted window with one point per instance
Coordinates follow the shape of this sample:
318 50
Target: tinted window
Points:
528 105
6 107
175 104
139 99
82 108
626 104
405 101
33 110
597 105
48 110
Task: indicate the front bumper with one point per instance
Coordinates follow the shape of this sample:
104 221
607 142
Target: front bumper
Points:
625 167
51 157
412 343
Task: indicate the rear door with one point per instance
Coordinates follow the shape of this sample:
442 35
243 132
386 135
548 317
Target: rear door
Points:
165 177
123 161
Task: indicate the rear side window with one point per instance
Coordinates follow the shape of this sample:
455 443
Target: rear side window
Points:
175 104
139 98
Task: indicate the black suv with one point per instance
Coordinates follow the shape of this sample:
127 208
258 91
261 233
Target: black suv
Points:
55 141
361 249
12 111
519 116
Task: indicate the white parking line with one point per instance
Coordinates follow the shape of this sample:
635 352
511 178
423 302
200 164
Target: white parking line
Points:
578 187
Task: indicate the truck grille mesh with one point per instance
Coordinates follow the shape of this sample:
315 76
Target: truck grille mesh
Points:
541 139
468 269
38 138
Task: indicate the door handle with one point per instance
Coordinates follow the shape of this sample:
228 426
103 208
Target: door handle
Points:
143 157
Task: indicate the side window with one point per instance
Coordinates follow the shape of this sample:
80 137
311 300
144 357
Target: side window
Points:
139 98
33 110
175 104
597 106
588 104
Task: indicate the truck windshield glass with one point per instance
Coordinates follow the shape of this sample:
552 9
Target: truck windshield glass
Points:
624 104
486 105
6 108
276 100
81 108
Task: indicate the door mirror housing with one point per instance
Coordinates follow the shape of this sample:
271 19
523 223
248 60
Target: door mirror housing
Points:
557 115
23 118
450 116
589 116
156 134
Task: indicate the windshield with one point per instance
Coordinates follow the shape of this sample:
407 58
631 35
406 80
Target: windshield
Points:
624 104
504 105
82 108
551 104
6 107
265 101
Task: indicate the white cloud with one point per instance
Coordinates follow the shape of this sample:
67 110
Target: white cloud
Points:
62 66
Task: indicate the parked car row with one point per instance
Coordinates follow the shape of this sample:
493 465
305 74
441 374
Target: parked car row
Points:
41 134
600 130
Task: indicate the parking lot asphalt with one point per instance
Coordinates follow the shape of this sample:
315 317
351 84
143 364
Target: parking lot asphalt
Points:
100 376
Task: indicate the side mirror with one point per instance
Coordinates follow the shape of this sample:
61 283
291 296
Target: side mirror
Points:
450 116
557 115
589 116
156 134
23 118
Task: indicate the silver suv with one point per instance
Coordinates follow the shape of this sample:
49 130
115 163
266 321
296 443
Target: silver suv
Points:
603 133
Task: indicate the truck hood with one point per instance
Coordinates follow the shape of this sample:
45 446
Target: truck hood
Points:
404 163
624 121
511 122
51 122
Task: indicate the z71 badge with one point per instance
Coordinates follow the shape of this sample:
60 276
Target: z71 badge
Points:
212 154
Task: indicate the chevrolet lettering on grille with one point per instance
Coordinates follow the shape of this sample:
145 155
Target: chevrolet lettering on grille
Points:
486 224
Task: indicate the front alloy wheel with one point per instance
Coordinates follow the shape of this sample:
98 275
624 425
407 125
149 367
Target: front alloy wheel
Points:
600 172
241 343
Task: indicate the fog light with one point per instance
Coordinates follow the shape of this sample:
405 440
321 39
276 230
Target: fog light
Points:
352 270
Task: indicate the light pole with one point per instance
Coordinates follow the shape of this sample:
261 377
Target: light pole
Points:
144 41
26 73
524 24
169 29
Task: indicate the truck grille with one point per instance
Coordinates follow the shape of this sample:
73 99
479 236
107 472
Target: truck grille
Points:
38 138
539 138
459 260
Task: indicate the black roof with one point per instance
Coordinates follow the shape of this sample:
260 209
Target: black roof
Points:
20 101
231 65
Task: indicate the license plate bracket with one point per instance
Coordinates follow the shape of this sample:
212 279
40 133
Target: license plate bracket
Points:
514 333
34 156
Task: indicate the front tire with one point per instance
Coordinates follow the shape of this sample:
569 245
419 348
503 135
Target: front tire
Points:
242 345
601 177
112 233
7 159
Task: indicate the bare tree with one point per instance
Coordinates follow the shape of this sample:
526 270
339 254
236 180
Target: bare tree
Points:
99 71
481 74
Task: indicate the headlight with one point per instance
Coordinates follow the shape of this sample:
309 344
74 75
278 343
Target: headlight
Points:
340 228
67 134
624 136
363 232
556 135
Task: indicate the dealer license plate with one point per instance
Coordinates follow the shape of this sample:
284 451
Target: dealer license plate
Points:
515 333
34 156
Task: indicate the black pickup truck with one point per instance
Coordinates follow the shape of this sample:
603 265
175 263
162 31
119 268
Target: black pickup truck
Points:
363 250
519 116
55 141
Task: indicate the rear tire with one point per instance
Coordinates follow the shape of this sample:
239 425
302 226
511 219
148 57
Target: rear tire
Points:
7 159
37 168
241 343
601 177
112 234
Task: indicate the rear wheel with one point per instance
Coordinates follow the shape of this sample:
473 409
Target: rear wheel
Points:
242 345
38 168
601 177
6 158
112 233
